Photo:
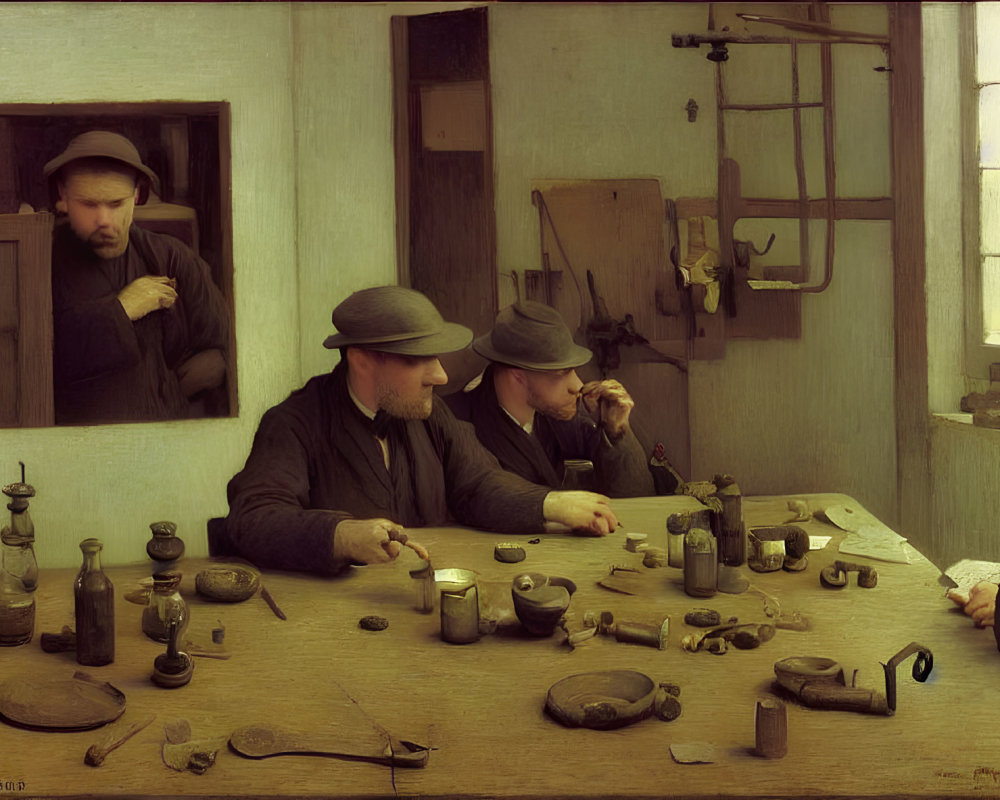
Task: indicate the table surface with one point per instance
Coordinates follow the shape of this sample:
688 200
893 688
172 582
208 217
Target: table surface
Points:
480 705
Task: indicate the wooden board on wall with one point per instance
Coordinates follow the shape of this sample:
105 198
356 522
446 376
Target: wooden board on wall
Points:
615 229
26 320
445 224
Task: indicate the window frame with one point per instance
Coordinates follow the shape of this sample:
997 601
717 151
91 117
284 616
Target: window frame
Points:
979 354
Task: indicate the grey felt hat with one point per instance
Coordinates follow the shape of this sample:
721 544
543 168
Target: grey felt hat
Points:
533 336
102 144
394 319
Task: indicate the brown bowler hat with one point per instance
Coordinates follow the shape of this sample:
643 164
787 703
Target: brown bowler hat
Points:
394 319
102 144
533 336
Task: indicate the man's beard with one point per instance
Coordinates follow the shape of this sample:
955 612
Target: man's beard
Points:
389 400
566 411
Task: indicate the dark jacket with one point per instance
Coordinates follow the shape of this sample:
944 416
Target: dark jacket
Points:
107 368
620 469
315 461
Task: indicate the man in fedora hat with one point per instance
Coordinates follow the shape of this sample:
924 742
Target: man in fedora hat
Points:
340 466
140 327
526 408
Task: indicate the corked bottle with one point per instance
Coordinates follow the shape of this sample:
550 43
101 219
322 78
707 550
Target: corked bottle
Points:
19 557
165 547
94 596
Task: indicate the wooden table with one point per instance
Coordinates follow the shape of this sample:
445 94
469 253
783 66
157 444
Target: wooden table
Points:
481 704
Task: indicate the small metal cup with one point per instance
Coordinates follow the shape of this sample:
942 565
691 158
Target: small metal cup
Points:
459 606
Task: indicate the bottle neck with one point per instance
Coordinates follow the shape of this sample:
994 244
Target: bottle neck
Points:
91 561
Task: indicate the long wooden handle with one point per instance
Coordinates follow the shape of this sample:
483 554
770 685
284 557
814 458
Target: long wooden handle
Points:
114 738
258 741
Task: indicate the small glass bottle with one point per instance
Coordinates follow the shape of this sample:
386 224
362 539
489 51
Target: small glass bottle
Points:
94 597
20 559
17 607
165 606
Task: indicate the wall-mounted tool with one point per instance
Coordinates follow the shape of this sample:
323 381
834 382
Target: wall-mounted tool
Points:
819 682
605 335
835 575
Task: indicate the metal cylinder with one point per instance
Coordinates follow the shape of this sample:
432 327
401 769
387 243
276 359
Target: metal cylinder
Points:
771 724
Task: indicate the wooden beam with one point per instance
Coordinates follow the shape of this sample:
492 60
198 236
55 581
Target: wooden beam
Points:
909 267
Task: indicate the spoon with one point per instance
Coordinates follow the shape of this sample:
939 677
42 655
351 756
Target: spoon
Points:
261 741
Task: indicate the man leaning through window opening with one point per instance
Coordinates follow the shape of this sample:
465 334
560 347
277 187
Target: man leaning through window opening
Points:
340 466
140 327
532 411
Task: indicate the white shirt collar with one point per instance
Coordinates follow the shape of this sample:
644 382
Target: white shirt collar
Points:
527 427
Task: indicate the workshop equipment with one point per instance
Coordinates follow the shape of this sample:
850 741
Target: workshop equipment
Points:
261 741
834 576
540 601
611 699
819 682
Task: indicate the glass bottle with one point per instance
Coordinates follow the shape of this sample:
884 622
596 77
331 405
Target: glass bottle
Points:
17 607
94 597
165 606
20 560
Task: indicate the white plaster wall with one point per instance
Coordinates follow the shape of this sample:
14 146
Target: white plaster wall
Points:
345 160
112 481
598 92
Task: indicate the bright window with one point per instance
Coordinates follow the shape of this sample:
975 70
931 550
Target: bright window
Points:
987 106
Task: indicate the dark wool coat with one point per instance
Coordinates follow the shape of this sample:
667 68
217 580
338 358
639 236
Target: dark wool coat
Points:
315 461
107 368
620 469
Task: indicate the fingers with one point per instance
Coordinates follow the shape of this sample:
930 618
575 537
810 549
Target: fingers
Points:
609 403
391 550
957 596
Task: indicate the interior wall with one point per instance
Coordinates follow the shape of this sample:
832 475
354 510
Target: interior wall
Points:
965 460
111 481
596 91
345 160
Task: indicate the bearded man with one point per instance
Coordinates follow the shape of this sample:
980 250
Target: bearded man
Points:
532 411
344 463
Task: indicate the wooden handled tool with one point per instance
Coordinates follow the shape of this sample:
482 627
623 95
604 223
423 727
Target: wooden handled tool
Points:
261 741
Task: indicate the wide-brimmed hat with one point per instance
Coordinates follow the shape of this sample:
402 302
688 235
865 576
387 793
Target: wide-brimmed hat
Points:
533 336
394 319
102 144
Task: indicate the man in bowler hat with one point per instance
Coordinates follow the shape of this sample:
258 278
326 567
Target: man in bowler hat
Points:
340 466
140 327
532 411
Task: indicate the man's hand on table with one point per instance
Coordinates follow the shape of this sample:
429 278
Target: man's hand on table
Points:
366 541
979 603
584 512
